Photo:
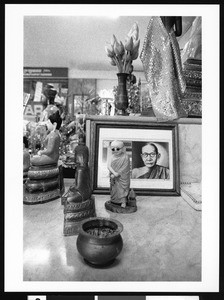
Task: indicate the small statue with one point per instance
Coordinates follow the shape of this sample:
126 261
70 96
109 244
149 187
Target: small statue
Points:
45 182
81 190
119 168
49 95
50 154
79 203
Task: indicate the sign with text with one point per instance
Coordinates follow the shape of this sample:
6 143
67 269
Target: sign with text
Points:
33 108
29 72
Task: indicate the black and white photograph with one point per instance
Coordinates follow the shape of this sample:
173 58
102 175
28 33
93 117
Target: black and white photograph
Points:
152 151
150 160
117 106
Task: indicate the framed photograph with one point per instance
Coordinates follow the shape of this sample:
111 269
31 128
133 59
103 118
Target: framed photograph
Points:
151 147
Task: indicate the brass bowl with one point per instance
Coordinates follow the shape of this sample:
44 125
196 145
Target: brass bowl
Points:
99 241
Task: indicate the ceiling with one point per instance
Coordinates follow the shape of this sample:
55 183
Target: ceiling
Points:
77 42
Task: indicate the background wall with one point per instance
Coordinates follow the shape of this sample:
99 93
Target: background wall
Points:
190 152
78 43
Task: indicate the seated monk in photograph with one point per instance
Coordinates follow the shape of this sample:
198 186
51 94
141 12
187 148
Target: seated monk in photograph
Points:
151 169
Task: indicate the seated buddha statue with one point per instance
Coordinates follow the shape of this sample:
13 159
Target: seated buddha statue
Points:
50 154
44 178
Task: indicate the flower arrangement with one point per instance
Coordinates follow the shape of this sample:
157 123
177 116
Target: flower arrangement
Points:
122 55
134 91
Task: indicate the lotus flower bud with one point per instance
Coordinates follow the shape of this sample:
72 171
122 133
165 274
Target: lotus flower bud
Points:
113 40
118 49
122 46
112 62
134 32
136 45
129 44
134 55
131 31
109 51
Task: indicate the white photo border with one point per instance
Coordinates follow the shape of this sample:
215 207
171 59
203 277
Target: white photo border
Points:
134 135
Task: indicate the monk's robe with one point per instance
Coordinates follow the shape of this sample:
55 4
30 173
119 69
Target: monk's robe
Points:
119 186
156 172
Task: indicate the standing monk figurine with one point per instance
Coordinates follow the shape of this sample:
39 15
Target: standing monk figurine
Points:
119 167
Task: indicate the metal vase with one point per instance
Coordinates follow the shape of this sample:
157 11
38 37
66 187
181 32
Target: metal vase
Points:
121 102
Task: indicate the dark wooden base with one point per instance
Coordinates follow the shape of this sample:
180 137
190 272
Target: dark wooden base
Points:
118 209
42 197
74 213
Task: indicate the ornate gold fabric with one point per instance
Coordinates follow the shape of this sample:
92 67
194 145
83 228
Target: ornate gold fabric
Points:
161 61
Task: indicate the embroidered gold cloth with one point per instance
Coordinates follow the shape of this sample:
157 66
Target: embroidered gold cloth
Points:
161 61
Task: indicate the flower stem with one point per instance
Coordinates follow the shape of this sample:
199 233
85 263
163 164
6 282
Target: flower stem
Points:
125 62
118 64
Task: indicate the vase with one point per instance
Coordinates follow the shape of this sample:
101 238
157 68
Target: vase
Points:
121 102
97 250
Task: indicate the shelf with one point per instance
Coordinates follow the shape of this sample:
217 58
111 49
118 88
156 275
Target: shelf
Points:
143 119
